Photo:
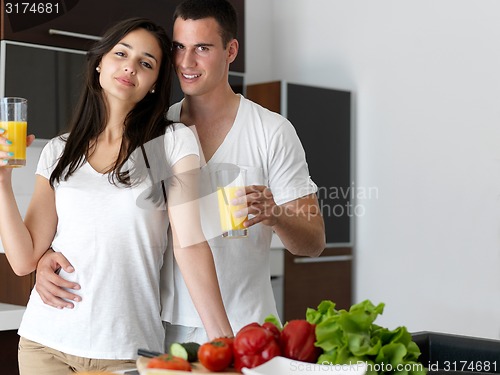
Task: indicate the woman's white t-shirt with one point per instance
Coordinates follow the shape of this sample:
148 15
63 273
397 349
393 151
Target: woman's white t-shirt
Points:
116 247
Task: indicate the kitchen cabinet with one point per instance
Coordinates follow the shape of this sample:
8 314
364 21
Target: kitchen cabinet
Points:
322 119
10 319
8 352
308 281
14 289
76 24
53 95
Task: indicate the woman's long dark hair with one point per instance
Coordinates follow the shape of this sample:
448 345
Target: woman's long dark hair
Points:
145 122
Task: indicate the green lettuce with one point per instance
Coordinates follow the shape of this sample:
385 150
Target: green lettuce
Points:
349 337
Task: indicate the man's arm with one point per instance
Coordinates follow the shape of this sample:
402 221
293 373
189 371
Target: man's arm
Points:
50 285
298 223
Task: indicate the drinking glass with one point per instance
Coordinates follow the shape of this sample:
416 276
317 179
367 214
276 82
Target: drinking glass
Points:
229 182
14 120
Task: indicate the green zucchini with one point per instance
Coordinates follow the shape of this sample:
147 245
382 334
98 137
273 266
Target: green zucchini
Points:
186 350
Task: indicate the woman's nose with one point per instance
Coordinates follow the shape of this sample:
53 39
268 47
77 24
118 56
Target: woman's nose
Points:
130 70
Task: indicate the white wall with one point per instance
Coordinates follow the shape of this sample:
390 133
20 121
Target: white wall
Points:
425 76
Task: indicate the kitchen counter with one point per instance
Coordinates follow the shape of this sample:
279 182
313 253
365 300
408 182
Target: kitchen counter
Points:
10 316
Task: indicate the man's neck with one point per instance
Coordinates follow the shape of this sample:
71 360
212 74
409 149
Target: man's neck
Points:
213 117
206 109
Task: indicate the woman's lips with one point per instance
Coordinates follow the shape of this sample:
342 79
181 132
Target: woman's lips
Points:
125 81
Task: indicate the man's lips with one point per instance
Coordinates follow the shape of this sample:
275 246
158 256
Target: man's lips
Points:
190 76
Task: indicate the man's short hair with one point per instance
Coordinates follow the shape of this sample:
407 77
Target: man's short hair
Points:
221 10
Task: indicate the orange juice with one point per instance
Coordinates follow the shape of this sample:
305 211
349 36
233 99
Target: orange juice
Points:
15 131
226 210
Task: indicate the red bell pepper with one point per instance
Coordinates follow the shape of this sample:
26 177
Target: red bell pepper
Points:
253 346
273 329
297 341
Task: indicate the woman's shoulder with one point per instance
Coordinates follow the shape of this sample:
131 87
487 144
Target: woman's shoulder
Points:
57 143
178 130
176 126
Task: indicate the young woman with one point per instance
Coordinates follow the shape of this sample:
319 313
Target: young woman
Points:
94 201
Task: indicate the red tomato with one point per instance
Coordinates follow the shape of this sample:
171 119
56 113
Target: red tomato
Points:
227 340
216 355
169 362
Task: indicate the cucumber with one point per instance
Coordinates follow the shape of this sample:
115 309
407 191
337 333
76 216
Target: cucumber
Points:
186 350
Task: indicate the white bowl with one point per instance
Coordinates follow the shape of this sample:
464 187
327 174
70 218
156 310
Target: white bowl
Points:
285 366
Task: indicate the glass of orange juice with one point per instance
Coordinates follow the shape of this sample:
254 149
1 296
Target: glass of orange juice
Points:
14 120
229 182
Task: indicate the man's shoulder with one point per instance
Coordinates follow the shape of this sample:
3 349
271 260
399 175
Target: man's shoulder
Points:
267 116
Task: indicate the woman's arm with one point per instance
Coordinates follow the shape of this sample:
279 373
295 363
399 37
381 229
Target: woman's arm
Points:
192 253
25 242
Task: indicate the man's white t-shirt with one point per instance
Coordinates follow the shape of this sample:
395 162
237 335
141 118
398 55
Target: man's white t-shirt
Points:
267 146
117 249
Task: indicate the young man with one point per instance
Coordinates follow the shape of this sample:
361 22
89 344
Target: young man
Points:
231 129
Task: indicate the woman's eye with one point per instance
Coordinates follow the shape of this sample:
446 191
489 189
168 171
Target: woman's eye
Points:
147 65
119 53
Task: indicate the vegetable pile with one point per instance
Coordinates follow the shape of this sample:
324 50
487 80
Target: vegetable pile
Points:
327 336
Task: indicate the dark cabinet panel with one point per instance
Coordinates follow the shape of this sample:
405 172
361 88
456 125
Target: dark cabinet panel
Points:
52 89
308 281
322 118
267 95
9 341
14 289
76 23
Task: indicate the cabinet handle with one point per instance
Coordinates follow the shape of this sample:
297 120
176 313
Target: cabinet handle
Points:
331 258
74 35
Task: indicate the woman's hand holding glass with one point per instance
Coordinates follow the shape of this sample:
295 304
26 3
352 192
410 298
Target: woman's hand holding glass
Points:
6 155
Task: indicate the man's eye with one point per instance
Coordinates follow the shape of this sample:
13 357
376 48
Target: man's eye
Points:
177 47
202 49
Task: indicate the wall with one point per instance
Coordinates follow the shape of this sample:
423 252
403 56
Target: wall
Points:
425 79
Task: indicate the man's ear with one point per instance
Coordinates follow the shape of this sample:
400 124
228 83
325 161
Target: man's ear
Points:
232 50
